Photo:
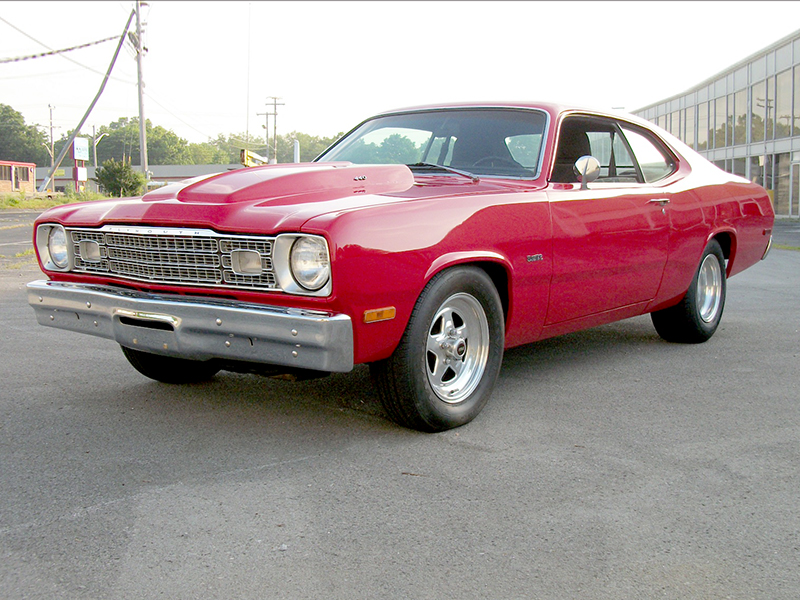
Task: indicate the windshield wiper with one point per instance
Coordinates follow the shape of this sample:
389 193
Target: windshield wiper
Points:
432 166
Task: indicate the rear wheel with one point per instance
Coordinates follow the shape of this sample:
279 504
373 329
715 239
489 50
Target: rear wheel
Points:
443 371
695 318
169 369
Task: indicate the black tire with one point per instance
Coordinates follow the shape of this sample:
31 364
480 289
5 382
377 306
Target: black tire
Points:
168 369
458 318
695 318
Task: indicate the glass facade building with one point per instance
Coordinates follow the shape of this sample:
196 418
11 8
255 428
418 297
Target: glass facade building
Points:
746 120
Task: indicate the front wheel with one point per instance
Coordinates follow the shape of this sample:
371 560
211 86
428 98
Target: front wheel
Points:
695 318
443 371
168 369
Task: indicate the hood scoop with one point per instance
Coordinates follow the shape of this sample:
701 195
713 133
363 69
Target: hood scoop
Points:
299 181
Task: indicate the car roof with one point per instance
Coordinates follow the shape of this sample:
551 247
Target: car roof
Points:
553 108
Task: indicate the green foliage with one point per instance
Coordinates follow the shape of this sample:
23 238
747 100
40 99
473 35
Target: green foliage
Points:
119 141
42 201
311 146
395 149
20 142
210 154
119 179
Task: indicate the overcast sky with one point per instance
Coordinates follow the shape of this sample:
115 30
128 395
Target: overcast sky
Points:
211 66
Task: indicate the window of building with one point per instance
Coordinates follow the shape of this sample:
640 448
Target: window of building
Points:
689 119
702 126
783 57
770 106
780 183
758 99
757 169
768 178
740 78
5 173
675 124
796 111
22 174
721 122
783 105
740 167
758 69
740 117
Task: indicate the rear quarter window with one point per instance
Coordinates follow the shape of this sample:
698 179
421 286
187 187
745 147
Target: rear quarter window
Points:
654 162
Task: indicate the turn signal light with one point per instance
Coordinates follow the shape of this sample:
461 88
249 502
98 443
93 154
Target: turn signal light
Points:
380 314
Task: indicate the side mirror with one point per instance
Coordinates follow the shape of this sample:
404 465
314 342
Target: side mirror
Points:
587 169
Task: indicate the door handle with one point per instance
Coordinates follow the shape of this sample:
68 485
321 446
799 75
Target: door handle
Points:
659 201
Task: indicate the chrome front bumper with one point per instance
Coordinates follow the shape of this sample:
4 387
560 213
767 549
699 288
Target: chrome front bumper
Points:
198 328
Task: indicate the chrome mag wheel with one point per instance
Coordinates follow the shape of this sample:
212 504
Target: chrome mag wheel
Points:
709 288
457 348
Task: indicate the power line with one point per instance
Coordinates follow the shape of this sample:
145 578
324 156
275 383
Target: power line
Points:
91 106
30 37
53 52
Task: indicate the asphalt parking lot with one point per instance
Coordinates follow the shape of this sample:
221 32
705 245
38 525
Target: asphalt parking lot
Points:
608 465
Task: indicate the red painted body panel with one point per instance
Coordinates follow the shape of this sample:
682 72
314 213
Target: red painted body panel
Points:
563 258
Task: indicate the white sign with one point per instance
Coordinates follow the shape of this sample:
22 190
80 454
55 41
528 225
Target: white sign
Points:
81 174
80 150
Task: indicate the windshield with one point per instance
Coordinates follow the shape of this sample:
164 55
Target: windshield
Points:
493 142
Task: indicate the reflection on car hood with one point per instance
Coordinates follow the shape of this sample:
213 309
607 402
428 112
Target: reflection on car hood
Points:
266 198
289 183
273 198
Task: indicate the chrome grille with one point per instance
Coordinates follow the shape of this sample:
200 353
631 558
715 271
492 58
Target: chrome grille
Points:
173 256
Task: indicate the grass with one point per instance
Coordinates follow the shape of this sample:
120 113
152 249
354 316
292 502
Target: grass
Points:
44 200
28 254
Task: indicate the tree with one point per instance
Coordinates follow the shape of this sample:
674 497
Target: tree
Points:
208 153
311 146
119 179
395 149
20 142
164 147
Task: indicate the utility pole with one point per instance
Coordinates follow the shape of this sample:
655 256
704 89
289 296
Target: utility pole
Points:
52 148
77 130
266 128
142 123
247 99
275 105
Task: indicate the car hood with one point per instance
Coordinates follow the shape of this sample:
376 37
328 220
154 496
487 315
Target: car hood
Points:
266 199
257 199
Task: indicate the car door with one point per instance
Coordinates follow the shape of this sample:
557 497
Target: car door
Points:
610 241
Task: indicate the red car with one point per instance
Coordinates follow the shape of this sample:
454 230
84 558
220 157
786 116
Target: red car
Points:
424 243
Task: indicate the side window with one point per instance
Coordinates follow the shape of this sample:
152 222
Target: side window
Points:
616 163
655 163
603 139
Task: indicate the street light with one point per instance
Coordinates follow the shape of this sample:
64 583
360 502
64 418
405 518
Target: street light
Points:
96 141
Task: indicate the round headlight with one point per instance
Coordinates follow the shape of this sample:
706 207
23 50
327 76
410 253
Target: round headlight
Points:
57 247
309 261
